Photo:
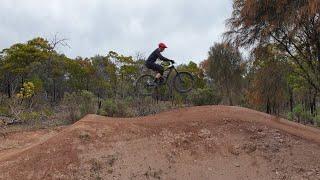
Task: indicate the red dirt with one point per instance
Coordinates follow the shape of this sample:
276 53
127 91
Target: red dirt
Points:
211 142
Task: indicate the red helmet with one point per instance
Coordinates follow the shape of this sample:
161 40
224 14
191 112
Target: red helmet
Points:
162 45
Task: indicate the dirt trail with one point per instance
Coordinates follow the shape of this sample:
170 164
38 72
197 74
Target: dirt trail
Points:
211 142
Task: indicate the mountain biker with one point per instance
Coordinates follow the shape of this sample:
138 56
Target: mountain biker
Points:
150 63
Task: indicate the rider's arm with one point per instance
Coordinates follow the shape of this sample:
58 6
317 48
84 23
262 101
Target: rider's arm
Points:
162 57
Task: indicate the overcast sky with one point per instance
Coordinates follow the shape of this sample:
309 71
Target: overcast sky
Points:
188 27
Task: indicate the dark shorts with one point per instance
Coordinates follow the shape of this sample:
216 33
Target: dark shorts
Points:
156 67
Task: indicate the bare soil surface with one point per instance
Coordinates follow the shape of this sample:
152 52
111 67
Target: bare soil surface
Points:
210 142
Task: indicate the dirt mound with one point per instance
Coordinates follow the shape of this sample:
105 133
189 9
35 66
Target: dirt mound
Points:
212 142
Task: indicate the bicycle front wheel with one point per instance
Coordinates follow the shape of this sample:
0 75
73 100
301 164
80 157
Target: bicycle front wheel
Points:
145 85
183 82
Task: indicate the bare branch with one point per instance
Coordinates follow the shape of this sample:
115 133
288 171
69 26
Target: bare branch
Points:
56 41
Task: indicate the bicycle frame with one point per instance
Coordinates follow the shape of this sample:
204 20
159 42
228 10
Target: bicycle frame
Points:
170 69
148 80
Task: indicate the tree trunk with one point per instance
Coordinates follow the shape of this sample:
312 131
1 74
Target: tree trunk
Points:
291 99
314 104
230 101
9 88
54 90
99 101
22 81
229 95
274 108
268 106
87 84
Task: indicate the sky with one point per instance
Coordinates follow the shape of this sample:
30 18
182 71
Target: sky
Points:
94 27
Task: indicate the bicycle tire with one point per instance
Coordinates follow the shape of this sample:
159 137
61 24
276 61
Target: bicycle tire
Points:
145 85
183 82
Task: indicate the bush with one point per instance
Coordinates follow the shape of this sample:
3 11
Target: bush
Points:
307 117
317 120
297 112
301 115
115 108
4 111
71 102
88 103
79 104
27 91
147 105
290 116
48 112
204 96
30 117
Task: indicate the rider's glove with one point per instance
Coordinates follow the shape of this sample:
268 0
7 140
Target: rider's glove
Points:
172 61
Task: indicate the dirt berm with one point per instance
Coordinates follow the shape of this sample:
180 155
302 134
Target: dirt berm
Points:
210 142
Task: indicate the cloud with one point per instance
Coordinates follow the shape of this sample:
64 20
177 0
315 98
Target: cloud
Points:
97 26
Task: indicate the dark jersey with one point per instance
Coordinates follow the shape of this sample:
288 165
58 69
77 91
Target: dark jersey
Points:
156 55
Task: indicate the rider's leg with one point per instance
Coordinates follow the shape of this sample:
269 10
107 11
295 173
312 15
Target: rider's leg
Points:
159 69
158 75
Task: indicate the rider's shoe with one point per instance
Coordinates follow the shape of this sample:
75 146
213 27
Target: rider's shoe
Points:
159 81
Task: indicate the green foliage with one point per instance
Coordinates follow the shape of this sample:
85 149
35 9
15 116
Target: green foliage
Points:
19 58
27 91
204 96
258 22
307 117
70 102
38 84
300 114
48 112
4 110
290 116
88 103
226 68
197 72
44 79
147 105
268 77
298 111
79 104
30 117
317 120
115 108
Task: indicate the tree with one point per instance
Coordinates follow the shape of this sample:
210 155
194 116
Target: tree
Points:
293 25
196 71
20 59
268 75
226 67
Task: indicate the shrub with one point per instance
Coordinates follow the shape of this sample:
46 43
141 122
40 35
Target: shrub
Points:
298 111
27 91
204 96
301 115
30 117
88 103
115 108
70 100
290 116
307 117
4 111
180 99
147 105
79 104
317 120
48 112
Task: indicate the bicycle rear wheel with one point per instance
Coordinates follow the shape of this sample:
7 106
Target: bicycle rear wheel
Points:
145 85
183 82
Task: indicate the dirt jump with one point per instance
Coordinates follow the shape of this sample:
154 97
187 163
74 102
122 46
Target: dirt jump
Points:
197 143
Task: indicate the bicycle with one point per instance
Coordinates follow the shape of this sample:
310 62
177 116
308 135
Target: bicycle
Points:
183 82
